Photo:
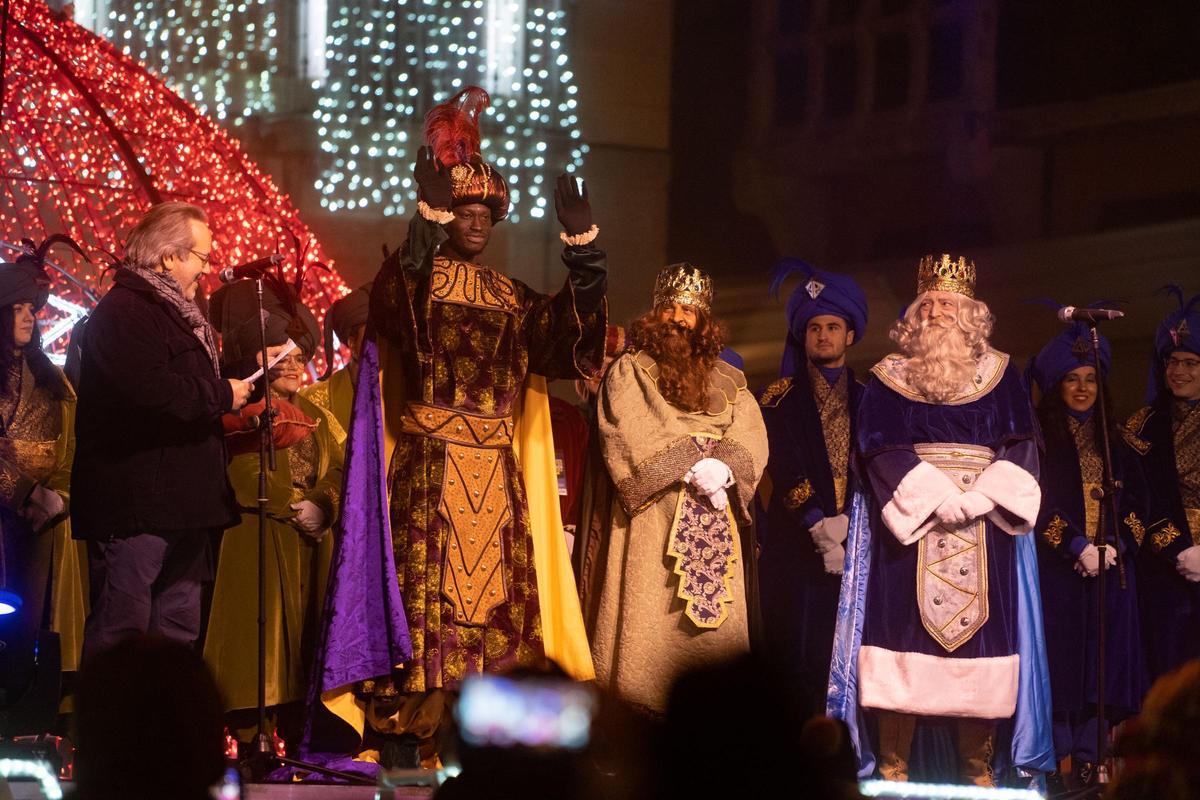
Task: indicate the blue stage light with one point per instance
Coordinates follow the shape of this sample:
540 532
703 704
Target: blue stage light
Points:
10 603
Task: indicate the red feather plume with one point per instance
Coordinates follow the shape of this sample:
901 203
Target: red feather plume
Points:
452 127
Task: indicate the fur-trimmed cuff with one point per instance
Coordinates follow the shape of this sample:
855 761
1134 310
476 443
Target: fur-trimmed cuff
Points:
937 686
909 514
658 473
1014 491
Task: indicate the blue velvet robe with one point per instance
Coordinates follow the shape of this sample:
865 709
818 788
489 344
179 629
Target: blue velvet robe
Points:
1069 599
1169 603
922 676
799 598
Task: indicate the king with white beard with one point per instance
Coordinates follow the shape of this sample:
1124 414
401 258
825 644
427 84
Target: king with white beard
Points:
948 442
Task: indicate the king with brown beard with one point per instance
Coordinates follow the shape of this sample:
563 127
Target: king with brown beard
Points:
685 445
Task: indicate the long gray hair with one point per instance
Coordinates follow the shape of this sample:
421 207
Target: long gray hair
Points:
165 231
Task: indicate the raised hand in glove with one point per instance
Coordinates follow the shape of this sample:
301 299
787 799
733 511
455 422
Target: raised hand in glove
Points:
834 560
829 533
42 506
433 179
1188 564
961 508
708 475
571 204
309 518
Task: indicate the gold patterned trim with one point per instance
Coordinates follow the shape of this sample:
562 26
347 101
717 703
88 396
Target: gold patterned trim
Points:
476 508
470 285
989 369
460 427
1193 521
1132 429
774 393
798 495
1164 536
1054 531
1135 527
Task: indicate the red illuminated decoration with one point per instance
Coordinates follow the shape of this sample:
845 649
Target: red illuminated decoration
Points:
89 139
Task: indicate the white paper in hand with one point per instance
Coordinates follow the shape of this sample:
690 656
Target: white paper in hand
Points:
288 347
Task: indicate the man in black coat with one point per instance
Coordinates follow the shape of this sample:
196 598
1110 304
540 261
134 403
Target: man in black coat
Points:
803 501
148 483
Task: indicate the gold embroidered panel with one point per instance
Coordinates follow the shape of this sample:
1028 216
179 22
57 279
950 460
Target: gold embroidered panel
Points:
774 393
1135 527
1193 521
450 425
1164 536
833 405
798 495
1054 531
1186 424
476 509
952 585
471 285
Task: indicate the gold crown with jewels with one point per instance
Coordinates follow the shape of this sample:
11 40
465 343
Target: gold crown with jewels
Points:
946 275
683 284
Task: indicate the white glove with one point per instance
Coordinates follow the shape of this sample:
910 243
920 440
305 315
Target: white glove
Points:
835 559
961 508
309 517
42 506
719 500
708 475
830 532
1188 563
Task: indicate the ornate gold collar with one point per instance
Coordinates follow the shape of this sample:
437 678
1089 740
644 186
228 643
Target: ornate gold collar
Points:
989 369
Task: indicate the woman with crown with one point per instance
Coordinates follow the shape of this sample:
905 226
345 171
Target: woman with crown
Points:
453 372
939 595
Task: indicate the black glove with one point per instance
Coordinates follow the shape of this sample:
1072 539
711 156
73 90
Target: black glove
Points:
433 180
574 211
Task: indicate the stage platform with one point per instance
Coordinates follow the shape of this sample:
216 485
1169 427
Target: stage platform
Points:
23 790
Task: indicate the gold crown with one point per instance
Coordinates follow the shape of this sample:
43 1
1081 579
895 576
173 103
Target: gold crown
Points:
683 284
945 275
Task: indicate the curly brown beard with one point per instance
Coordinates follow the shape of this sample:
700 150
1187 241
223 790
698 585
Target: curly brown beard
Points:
684 357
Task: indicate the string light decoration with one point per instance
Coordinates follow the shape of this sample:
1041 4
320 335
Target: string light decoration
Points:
390 61
90 139
228 56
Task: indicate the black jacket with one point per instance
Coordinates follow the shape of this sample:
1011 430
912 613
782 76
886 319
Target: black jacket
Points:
149 450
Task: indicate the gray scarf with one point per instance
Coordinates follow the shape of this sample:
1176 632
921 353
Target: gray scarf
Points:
167 288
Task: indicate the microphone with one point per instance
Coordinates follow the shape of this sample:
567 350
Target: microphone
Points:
251 269
1073 314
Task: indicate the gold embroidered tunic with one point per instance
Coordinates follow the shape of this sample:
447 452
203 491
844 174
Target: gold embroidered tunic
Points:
460 339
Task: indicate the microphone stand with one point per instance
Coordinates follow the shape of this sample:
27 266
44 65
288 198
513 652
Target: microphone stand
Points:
1109 515
259 763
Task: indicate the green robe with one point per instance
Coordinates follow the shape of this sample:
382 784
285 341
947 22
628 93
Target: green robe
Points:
296 573
335 395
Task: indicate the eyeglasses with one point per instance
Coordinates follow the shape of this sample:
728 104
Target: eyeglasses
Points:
204 257
1185 363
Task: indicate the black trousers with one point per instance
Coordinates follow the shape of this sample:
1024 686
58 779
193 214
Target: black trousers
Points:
146 583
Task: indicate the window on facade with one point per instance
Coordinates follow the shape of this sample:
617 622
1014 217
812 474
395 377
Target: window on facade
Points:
892 66
945 60
841 80
842 12
791 16
791 87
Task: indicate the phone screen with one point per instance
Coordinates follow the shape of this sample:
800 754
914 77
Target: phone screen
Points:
537 712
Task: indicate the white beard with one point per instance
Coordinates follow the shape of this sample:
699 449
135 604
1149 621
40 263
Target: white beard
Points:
940 363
